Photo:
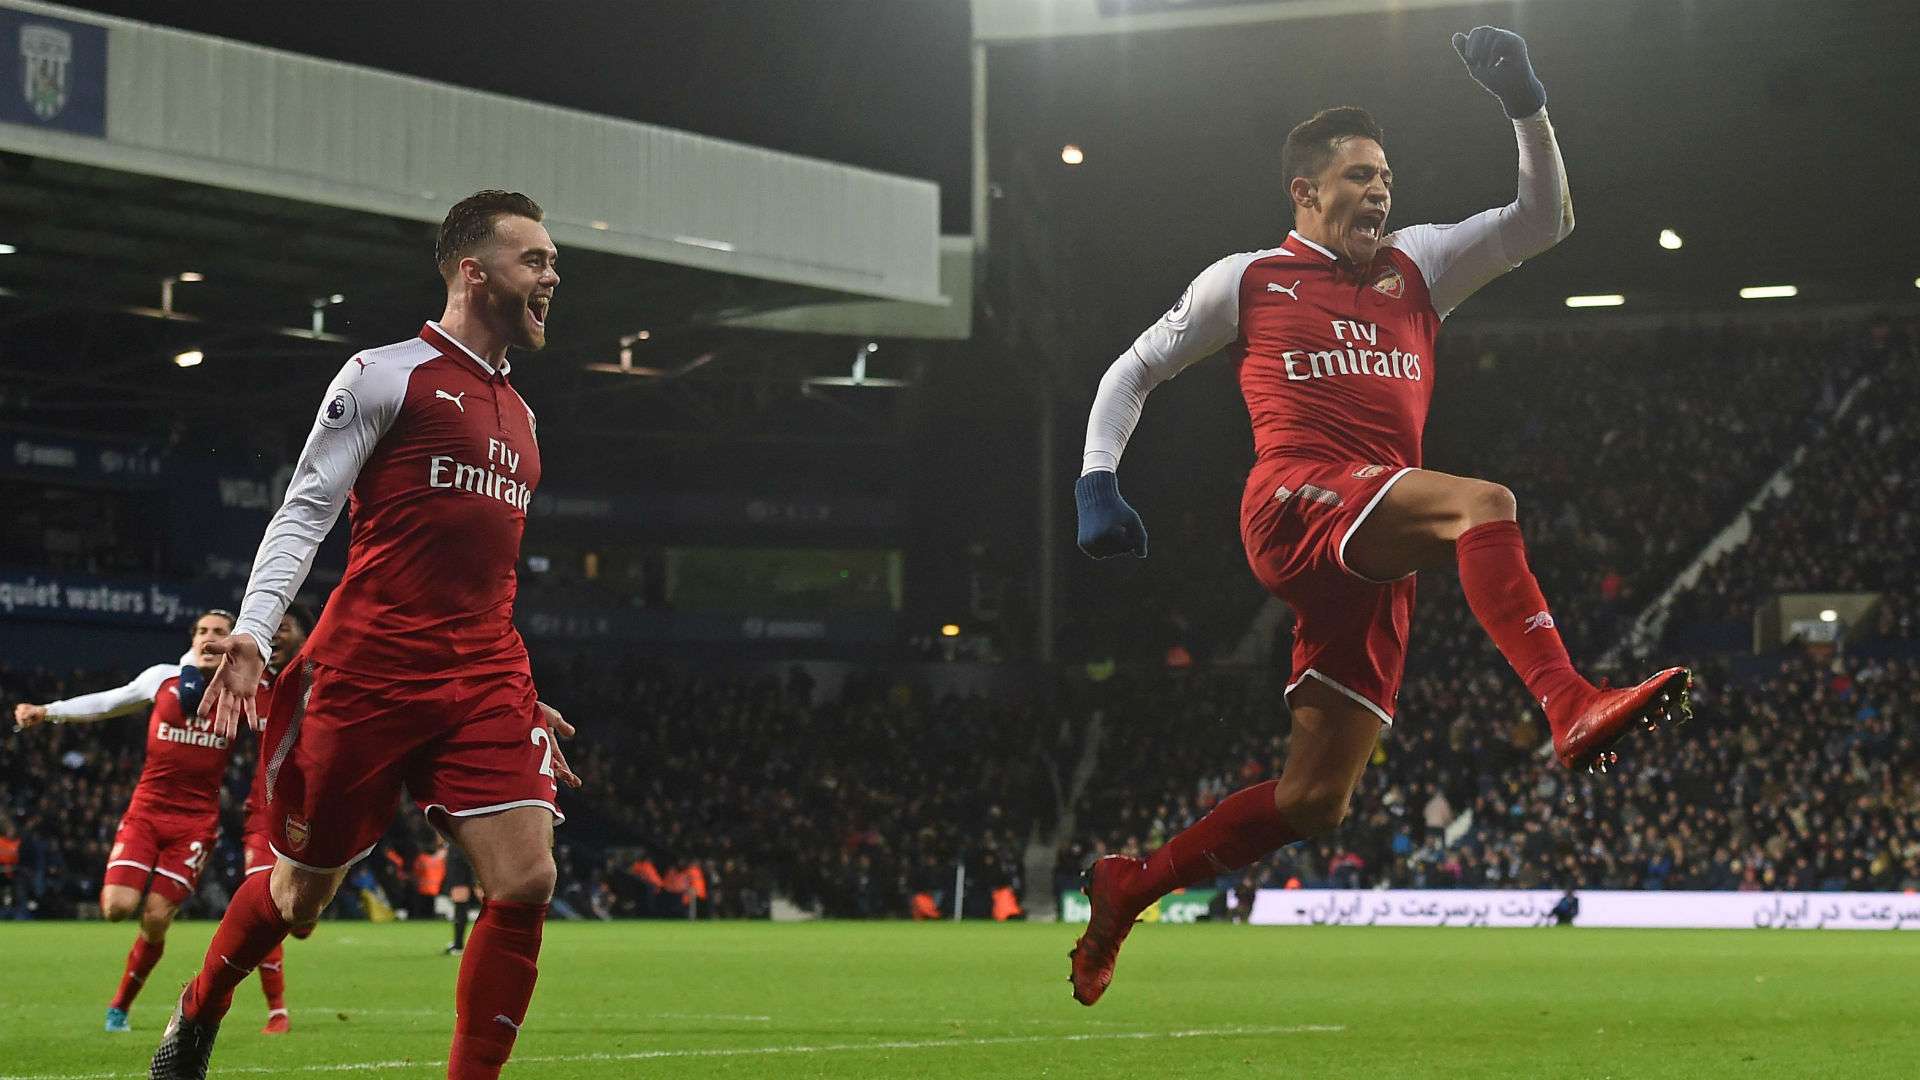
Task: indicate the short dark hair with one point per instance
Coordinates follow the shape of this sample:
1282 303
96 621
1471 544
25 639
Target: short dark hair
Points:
470 223
222 612
1311 145
301 615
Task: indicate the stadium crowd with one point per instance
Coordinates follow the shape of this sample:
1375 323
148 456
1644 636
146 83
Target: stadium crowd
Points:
1848 523
711 794
1807 779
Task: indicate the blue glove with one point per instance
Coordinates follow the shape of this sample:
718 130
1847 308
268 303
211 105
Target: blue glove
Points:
1497 60
1108 526
193 687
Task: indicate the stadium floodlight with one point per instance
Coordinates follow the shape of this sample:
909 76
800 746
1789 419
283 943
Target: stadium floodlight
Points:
190 358
166 289
1072 154
1596 300
598 226
1829 615
1916 281
950 630
8 249
1769 292
1670 240
320 305
703 242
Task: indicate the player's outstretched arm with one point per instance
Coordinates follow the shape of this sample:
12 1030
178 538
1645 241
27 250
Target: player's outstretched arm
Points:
100 705
1206 319
1457 260
359 408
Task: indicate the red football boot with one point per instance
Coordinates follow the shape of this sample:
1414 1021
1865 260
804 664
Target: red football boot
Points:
1585 740
277 1023
1108 925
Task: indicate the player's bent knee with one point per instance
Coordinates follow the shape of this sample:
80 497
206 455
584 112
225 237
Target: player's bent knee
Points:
1491 502
301 896
156 917
118 904
531 883
1315 811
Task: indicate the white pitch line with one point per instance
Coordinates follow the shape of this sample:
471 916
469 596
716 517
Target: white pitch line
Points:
753 1051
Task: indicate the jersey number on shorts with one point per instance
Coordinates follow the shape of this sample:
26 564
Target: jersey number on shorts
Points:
544 740
197 856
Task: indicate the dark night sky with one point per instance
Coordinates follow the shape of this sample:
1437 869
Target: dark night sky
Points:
882 85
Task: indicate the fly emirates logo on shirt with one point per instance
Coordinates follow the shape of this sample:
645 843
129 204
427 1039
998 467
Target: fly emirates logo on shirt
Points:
195 732
1357 353
444 472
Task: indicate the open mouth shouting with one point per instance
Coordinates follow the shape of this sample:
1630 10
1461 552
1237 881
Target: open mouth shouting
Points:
1368 227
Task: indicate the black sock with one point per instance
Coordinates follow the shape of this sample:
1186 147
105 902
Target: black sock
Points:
459 926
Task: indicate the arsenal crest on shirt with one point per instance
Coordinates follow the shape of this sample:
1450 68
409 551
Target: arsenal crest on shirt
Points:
1390 283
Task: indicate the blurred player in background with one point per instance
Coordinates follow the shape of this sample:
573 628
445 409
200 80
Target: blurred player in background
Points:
1334 335
256 852
415 673
169 828
461 891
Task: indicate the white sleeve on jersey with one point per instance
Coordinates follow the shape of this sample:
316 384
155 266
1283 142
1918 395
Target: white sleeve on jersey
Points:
1457 260
1206 319
360 407
119 701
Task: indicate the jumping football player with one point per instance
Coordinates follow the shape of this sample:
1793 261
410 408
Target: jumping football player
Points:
415 673
169 828
1333 332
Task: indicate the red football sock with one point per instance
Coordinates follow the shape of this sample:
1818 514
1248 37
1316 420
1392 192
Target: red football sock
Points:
496 982
1506 599
273 979
140 961
251 929
1243 827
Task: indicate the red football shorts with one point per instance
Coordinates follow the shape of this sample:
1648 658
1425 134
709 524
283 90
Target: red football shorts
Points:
339 746
1349 632
256 847
161 853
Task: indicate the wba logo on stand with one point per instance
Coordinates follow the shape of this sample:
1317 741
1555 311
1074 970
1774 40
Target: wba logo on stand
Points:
61 83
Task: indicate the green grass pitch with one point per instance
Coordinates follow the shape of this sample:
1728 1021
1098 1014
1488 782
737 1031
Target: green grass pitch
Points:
974 999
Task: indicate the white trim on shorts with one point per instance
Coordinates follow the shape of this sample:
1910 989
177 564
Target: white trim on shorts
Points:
130 862
257 869
1371 707
1340 553
323 869
165 873
478 811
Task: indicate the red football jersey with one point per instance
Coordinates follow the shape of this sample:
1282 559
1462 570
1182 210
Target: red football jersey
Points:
185 761
1337 361
433 452
1334 364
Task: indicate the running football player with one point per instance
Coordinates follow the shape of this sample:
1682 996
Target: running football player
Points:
415 673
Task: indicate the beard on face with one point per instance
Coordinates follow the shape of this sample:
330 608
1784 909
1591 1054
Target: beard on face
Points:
508 313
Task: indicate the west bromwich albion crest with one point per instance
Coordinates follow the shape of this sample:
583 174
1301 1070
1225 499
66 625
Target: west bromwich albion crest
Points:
46 69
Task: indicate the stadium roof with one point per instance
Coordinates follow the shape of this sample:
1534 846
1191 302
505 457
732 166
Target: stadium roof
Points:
1772 136
193 217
